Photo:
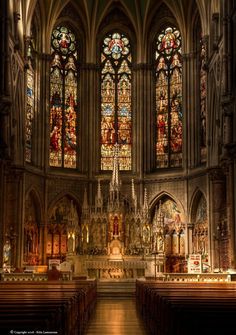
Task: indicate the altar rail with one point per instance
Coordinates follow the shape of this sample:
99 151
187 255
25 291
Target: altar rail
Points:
203 277
32 276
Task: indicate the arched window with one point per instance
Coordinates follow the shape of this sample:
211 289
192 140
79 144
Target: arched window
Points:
203 94
30 103
29 114
168 98
63 99
116 116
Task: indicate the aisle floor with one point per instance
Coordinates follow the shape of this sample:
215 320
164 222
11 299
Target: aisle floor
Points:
116 317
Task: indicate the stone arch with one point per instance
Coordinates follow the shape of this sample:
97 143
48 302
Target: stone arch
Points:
63 226
174 222
199 240
70 195
197 194
32 190
164 195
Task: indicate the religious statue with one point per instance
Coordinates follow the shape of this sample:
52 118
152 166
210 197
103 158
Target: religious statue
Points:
70 244
7 253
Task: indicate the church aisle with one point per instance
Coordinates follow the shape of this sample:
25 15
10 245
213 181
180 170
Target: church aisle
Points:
115 317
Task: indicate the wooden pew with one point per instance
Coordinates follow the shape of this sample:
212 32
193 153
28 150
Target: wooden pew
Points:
187 308
63 307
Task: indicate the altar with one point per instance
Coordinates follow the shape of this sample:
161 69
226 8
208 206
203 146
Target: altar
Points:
115 269
116 238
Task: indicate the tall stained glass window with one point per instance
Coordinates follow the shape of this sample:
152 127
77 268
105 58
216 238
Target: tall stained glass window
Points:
63 99
116 116
203 89
168 97
30 102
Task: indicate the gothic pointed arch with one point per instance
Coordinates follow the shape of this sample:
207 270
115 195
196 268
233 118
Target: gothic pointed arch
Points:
166 207
63 227
199 218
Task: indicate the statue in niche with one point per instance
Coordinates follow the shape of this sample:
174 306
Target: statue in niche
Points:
146 234
137 235
160 243
97 234
70 244
84 237
132 233
7 253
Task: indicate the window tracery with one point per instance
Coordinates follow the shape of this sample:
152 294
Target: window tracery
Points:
63 99
168 98
116 113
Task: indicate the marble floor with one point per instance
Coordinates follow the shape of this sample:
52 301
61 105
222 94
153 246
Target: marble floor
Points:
115 317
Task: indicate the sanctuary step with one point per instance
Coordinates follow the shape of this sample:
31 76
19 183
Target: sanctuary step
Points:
116 289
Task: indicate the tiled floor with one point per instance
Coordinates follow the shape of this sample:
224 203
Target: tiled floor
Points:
115 317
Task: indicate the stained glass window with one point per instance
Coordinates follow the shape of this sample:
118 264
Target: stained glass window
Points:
63 99
168 97
203 89
30 101
116 115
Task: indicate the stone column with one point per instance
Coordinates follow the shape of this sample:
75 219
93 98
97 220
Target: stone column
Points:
144 117
90 120
5 102
218 206
230 211
189 238
215 30
13 219
43 243
190 115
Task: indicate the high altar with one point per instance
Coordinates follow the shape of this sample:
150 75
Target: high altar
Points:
117 239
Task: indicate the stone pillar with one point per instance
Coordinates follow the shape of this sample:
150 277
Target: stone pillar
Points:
189 238
145 118
227 41
230 211
12 224
89 120
5 102
43 244
218 206
215 30
190 115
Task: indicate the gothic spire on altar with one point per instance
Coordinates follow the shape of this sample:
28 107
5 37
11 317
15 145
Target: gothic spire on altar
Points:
115 216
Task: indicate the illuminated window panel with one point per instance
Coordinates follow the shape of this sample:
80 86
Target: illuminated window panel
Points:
63 99
116 108
168 97
30 100
203 94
